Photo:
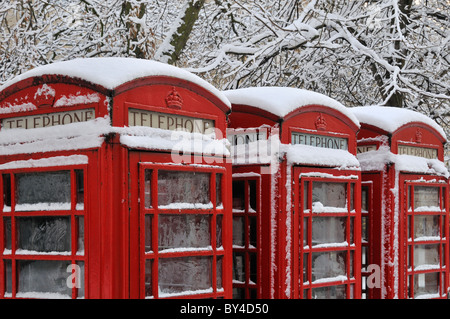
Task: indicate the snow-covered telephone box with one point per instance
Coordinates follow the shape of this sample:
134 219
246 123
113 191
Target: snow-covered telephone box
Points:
404 204
115 183
296 195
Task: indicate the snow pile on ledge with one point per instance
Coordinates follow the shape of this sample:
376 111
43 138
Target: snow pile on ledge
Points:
376 160
318 156
281 101
112 72
391 119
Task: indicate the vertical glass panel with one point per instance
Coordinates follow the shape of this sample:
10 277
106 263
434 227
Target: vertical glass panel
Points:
305 268
326 230
425 256
331 292
239 195
219 203
44 233
351 232
352 196
178 189
148 278
238 293
219 264
80 223
364 199
80 278
426 226
252 196
148 189
252 232
43 191
426 198
148 233
327 195
43 278
253 268
7 232
184 274
6 192
238 231
186 230
426 285
409 198
80 189
305 196
219 219
330 265
305 231
364 230
239 267
364 256
8 277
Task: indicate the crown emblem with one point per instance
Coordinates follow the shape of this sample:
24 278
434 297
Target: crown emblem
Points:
174 99
321 124
44 96
418 136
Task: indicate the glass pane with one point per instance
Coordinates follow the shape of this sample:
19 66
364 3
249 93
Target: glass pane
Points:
238 293
426 285
80 189
238 231
147 189
43 191
332 292
239 195
219 264
80 222
219 230
252 232
253 268
426 226
327 195
305 268
305 196
43 278
426 198
184 275
364 199
327 230
80 291
305 231
6 192
329 265
364 230
148 278
183 190
239 267
186 230
148 233
219 203
7 232
8 277
426 256
44 233
252 196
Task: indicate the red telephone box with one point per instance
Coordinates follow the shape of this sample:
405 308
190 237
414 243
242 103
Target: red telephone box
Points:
296 194
404 204
115 183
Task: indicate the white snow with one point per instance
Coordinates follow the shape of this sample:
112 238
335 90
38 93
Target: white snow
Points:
310 155
281 101
77 99
112 72
46 162
391 119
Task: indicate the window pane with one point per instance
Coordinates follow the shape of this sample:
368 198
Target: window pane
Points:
219 264
7 232
44 234
426 285
183 189
80 189
219 190
325 195
425 256
43 276
184 230
239 267
326 230
148 278
8 277
80 222
148 233
184 274
239 195
43 191
305 196
426 226
252 232
147 189
6 192
219 230
426 198
252 195
238 231
80 287
364 199
332 292
330 265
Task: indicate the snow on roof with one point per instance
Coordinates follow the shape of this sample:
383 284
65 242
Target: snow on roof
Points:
283 100
392 118
111 72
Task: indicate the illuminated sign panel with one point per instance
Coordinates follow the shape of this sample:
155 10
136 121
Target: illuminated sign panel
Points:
324 141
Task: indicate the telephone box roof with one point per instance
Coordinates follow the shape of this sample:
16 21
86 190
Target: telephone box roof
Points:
112 72
281 101
391 119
